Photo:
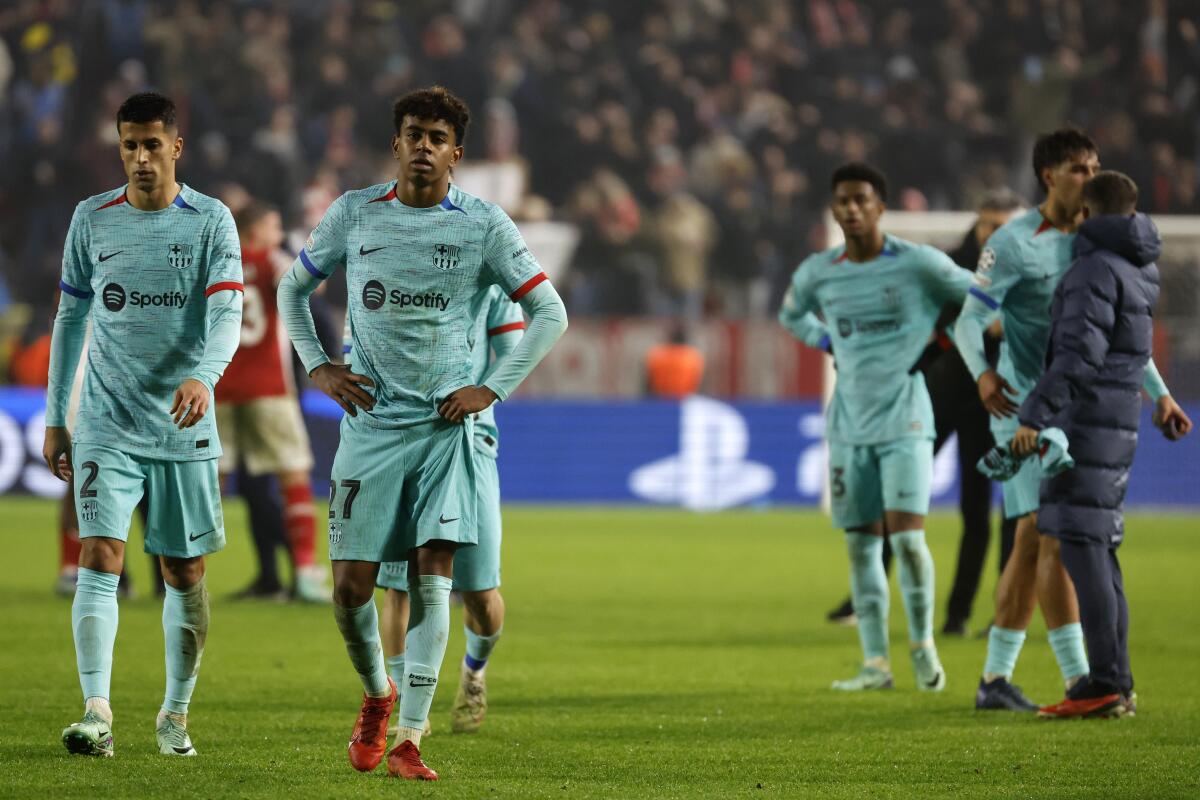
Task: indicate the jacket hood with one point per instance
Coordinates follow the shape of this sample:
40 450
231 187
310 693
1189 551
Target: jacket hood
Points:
1133 237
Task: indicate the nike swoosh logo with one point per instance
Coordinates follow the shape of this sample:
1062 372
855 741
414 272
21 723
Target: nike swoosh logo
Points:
104 258
363 251
931 684
414 685
194 536
443 520
183 751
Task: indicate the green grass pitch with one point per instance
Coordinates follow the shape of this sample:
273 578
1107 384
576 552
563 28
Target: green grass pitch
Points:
647 654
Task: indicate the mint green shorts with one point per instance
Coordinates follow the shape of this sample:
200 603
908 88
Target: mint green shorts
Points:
475 568
393 490
867 479
1021 490
185 519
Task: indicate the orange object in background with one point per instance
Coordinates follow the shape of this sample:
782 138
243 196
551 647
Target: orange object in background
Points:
30 366
674 369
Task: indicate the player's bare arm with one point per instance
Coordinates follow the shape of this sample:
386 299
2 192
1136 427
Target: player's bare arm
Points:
1169 418
189 404
344 386
1024 442
56 449
467 400
994 391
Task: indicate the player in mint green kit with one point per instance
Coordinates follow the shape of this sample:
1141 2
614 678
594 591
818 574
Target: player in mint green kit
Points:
157 267
498 329
419 255
879 297
1018 272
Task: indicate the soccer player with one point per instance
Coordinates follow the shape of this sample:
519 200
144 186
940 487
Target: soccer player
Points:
157 267
418 253
498 328
879 296
257 409
1101 336
1018 271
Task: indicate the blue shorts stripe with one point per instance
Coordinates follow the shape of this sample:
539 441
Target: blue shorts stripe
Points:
983 297
71 290
308 265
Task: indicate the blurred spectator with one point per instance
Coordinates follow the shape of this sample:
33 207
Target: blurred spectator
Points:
584 110
675 368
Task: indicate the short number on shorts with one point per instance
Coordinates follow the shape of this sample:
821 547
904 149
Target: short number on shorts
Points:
837 487
348 503
86 490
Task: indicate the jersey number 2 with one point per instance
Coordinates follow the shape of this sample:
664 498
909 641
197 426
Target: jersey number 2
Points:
85 489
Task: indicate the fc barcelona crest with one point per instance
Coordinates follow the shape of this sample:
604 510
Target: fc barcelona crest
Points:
445 256
179 256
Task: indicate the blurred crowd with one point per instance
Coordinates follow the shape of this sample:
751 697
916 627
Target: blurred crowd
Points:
689 140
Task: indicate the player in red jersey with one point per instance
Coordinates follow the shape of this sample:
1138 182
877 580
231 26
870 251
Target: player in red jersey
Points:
258 413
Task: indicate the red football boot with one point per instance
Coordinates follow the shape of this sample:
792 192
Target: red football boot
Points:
1107 706
405 762
368 743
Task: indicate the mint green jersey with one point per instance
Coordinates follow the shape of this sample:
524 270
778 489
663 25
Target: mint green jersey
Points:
497 317
146 277
416 278
1018 271
879 315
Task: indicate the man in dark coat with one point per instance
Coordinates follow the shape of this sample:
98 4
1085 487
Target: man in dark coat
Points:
1100 341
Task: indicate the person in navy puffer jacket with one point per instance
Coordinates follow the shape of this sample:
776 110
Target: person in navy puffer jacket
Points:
1100 341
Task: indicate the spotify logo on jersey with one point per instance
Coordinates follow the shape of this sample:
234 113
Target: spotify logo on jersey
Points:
373 295
113 297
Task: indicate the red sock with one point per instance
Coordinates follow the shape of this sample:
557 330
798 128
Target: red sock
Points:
300 522
69 546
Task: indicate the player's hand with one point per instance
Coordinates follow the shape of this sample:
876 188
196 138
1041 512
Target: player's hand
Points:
467 400
344 386
56 449
190 403
1170 419
993 391
1025 442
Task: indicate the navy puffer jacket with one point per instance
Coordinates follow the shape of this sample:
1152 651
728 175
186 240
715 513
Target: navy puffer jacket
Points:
1100 340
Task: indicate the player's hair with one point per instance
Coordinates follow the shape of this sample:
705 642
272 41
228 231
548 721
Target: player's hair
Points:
1110 192
1052 149
1002 199
436 102
858 171
251 214
146 107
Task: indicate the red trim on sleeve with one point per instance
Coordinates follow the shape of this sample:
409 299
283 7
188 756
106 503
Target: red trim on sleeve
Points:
112 203
509 328
527 286
222 286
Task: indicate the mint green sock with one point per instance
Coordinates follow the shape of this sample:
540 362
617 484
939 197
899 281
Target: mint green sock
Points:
185 629
1067 643
916 583
479 648
395 668
94 626
869 592
424 646
1004 645
360 631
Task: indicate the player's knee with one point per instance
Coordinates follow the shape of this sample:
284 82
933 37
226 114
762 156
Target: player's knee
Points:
182 573
349 593
102 554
